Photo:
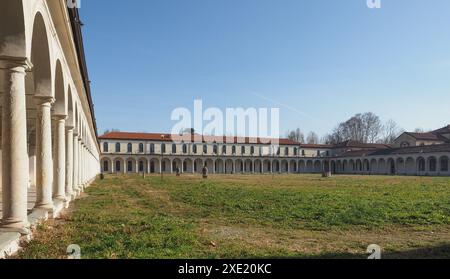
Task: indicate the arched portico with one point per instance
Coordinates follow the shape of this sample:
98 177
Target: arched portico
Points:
267 166
391 167
220 168
276 168
188 166
248 166
48 130
239 166
119 166
302 166
410 166
198 165
229 166
373 166
293 166
421 166
444 168
309 166
382 168
177 164
130 165
317 166
209 163
107 166
154 165
258 166
142 165
401 167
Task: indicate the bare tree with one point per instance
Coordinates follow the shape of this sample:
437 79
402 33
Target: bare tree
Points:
419 130
296 135
111 131
187 131
371 126
312 138
391 131
361 127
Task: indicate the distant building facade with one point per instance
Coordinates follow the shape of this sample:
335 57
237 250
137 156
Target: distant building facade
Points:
440 136
156 153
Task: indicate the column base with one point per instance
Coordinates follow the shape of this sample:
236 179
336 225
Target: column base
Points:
74 195
67 201
47 206
24 230
58 206
9 243
68 198
37 217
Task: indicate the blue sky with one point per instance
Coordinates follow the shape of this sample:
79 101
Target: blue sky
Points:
326 59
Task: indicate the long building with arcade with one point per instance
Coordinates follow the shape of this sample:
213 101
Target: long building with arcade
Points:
423 154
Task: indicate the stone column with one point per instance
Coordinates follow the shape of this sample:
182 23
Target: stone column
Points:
60 158
75 165
69 163
79 164
84 166
44 160
15 167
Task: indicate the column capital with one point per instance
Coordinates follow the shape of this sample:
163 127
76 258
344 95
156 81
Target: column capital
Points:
59 117
15 63
70 128
44 100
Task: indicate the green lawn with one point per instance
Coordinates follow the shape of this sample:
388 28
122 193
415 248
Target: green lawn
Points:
253 216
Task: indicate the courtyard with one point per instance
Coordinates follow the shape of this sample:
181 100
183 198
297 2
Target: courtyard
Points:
252 216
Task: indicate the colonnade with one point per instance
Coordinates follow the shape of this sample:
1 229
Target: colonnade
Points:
418 164
431 164
169 164
48 134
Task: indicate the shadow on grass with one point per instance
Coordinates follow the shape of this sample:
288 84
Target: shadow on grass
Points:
437 252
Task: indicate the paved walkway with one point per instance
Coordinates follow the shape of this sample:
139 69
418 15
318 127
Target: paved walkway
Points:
31 200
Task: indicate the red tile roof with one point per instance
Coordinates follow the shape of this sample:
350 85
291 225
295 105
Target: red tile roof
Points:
436 135
444 130
438 148
356 144
316 145
191 138
424 136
